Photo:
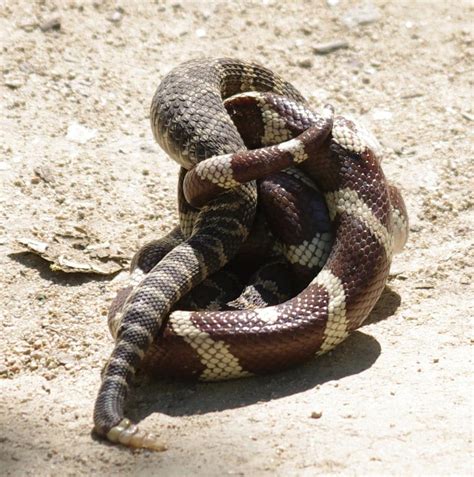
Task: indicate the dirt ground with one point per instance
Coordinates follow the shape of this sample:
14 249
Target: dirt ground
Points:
80 172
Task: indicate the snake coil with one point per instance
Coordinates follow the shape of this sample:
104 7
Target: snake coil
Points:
262 176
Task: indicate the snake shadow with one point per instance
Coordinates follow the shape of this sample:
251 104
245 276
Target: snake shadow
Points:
355 355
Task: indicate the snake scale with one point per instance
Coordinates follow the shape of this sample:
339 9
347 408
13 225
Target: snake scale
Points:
264 178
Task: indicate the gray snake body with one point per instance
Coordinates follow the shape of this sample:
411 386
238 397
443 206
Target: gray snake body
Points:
218 209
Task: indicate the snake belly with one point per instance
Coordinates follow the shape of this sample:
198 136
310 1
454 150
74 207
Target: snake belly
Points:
191 124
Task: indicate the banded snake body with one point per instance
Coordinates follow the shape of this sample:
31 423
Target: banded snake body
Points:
258 169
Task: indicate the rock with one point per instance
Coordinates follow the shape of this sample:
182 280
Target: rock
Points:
414 94
27 24
361 15
80 134
116 16
394 146
34 245
66 258
14 81
64 358
54 23
45 173
329 47
305 63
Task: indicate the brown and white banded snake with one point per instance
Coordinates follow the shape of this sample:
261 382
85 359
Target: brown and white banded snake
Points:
268 189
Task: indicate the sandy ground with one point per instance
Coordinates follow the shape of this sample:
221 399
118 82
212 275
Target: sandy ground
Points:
80 171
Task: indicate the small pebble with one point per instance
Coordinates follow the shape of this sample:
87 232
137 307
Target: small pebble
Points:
305 63
54 23
45 173
361 15
316 414
28 24
414 94
329 47
115 17
424 285
38 344
80 134
14 81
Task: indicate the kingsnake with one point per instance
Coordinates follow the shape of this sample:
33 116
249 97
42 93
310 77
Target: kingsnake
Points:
259 205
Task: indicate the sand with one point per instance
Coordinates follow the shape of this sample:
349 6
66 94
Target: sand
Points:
79 170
